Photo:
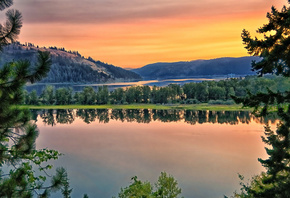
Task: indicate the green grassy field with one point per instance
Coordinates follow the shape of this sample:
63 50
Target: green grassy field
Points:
204 106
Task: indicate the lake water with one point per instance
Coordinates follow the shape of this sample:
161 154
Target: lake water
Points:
111 86
203 150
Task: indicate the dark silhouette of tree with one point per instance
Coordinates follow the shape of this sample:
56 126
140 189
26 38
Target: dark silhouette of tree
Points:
103 115
118 114
274 49
48 117
19 160
88 115
65 116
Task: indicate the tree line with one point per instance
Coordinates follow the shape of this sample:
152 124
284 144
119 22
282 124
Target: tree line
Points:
212 92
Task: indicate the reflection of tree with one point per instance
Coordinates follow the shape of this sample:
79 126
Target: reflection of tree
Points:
132 115
271 117
233 115
118 114
190 117
244 117
34 114
221 117
227 117
212 117
65 116
103 115
167 115
88 115
202 116
146 116
47 117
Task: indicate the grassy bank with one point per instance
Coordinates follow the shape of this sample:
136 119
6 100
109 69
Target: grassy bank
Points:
203 106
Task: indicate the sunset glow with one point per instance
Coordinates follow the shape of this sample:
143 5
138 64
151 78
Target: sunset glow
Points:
133 33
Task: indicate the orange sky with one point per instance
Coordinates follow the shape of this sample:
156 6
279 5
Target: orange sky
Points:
133 33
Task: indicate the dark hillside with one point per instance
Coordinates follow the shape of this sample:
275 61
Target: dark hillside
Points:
221 66
68 66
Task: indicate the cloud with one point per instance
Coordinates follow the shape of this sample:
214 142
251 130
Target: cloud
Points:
108 11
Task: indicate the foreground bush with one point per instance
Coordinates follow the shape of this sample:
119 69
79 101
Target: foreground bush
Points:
165 187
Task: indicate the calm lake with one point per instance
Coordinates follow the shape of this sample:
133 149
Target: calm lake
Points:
113 85
104 148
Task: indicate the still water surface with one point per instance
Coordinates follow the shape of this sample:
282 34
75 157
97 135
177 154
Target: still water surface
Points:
113 85
103 149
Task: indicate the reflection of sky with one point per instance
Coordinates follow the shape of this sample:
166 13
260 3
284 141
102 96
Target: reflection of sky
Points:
39 87
204 158
146 82
163 82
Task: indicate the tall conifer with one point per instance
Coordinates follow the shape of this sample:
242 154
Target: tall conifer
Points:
19 159
274 50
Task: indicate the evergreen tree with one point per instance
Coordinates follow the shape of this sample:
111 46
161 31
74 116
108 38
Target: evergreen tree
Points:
18 156
274 51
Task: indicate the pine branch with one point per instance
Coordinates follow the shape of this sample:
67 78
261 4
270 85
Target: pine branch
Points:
10 31
22 73
42 67
5 4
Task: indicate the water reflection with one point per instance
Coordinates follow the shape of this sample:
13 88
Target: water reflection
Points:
67 116
79 87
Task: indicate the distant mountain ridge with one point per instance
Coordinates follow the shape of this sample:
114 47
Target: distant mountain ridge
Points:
213 67
68 66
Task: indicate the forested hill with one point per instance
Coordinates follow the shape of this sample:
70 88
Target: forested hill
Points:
68 66
221 66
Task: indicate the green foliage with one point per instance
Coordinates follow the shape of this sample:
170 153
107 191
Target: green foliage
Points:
137 189
32 98
202 92
274 45
102 95
274 50
146 91
221 102
87 96
189 90
23 169
165 187
48 96
117 96
192 101
63 96
13 24
133 94
66 190
217 91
